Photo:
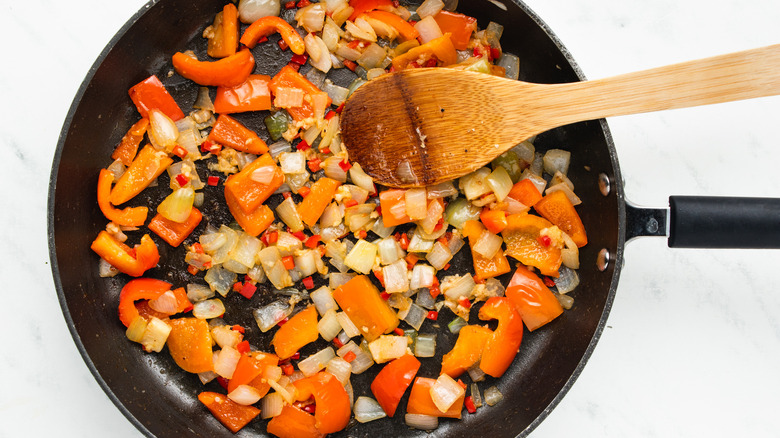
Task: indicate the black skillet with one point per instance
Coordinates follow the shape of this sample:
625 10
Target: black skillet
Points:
160 399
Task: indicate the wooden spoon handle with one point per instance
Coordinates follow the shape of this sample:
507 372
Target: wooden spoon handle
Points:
735 76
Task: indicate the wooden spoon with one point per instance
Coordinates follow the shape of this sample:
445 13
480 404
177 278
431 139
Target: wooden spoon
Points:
424 126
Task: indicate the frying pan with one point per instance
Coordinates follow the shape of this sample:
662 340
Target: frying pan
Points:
158 398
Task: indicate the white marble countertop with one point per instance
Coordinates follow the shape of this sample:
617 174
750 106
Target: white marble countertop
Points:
692 345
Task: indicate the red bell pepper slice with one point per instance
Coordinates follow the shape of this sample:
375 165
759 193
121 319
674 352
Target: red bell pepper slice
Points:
298 331
467 350
460 26
332 410
391 383
230 132
521 237
317 200
361 301
252 95
148 165
250 369
253 223
128 147
532 299
224 41
421 403
229 72
233 415
501 347
525 192
293 423
393 203
189 343
151 94
493 220
248 193
130 216
120 255
174 232
558 209
405 29
484 267
147 289
290 78
440 48
266 26
362 6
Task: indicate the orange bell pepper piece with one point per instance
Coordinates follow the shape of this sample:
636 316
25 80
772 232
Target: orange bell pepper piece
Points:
467 350
362 6
532 299
484 267
266 26
250 369
130 216
147 166
360 300
501 348
228 72
174 232
405 29
298 331
391 383
289 77
521 237
320 196
332 410
120 255
233 415
189 343
224 42
252 95
151 94
248 193
253 223
147 289
230 132
556 208
393 203
128 147
293 423
493 220
441 48
421 403
460 26
525 192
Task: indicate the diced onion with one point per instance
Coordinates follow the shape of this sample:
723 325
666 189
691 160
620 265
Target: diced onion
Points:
396 277
415 316
442 190
244 395
493 396
456 324
165 303
539 182
445 392
271 405
367 409
428 28
500 183
476 398
155 335
226 362
511 64
135 331
476 374
162 130
372 56
556 160
565 300
250 11
361 258
349 327
439 255
361 178
429 7
340 368
319 54
425 299
208 309
332 168
425 345
178 205
311 17
220 279
317 361
422 276
389 251
388 347
288 213
567 280
488 244
329 326
475 184
224 336
454 286
460 211
270 315
416 200
323 300
422 422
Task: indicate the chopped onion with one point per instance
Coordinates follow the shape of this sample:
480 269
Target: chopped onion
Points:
475 184
456 324
389 251
500 182
177 206
488 244
323 300
429 8
511 64
494 288
203 101
416 201
442 190
439 255
311 17
455 243
220 279
565 300
422 276
372 56
493 396
291 162
563 187
332 168
288 213
361 258
224 336
328 325
362 360
244 395
445 392
382 29
539 182
476 374
268 316
208 309
162 130
388 347
360 29
425 299
460 211
425 345
135 331
271 405
433 217
415 316
349 327
319 54
567 280
556 160
428 28
396 277
165 303
340 368
454 286
245 250
381 230
476 398
278 147
317 361
367 409
226 362
422 422
207 376
337 93
155 335
419 244
282 391
250 11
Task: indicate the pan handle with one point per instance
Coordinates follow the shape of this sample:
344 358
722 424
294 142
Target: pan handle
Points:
709 222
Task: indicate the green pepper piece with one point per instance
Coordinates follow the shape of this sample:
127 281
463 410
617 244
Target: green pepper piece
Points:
277 124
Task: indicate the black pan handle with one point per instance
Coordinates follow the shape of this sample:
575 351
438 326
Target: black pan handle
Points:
709 222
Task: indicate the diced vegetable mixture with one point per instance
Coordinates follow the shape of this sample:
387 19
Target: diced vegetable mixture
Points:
319 253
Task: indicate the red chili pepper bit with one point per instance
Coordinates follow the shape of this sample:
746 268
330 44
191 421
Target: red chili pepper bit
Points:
378 207
398 331
544 240
302 145
281 323
223 382
495 53
286 194
283 45
385 296
434 291
308 283
303 3
296 356
237 286
433 315
247 290
288 369
288 262
290 5
243 347
192 270
431 62
197 247
273 237
462 385
362 234
213 181
350 65
304 191
313 241
299 59
299 235
350 356
238 328
325 150
548 282
337 342
310 408
447 267
463 301
179 151
314 164
205 147
339 109
469 402
330 115
293 65
182 180
350 203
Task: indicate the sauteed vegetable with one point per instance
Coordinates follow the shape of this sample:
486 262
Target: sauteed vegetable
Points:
360 270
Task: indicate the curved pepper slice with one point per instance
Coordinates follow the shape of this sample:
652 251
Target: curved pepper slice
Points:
501 348
189 343
360 300
252 95
148 165
250 194
467 350
233 415
130 216
147 289
440 48
558 209
228 72
293 423
535 303
266 26
405 29
128 147
120 255
224 40
391 383
362 6
420 401
175 232
230 132
250 369
151 94
460 26
300 330
484 267
521 237
332 410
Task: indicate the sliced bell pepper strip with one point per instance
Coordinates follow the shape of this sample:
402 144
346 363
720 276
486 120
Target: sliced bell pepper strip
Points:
120 255
460 26
228 72
532 299
467 350
320 196
233 415
228 131
391 383
332 411
266 26
493 220
556 208
130 216
250 369
147 166
501 348
393 203
247 192
521 237
224 41
253 223
483 267
189 343
289 77
151 94
405 29
128 147
147 289
421 403
298 331
293 423
174 232
440 47
360 300
525 192
362 6
252 95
